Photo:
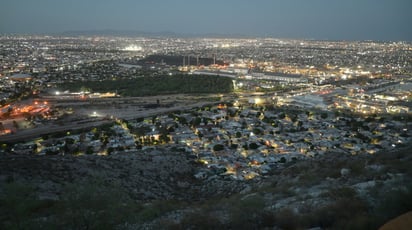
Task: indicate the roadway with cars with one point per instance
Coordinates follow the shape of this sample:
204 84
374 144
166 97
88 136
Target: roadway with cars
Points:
102 117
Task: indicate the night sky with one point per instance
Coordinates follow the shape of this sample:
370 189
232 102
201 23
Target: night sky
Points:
308 19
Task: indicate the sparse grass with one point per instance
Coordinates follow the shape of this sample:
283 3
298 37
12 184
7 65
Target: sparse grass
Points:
310 178
280 189
89 205
286 219
157 208
200 220
97 205
245 213
338 215
341 193
94 206
19 207
395 203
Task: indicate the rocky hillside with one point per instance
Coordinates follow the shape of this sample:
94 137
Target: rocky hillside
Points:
160 189
154 175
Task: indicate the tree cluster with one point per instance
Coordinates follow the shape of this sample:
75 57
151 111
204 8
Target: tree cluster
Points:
146 86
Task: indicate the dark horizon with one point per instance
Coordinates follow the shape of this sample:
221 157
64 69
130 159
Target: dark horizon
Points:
171 34
378 20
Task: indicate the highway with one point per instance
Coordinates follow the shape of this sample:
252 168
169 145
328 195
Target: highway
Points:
28 134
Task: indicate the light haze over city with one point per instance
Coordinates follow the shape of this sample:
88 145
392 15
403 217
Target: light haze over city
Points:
317 19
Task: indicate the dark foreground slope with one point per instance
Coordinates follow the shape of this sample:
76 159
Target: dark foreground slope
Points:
158 189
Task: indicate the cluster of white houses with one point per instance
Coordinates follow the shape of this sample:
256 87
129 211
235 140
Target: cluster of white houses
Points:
241 142
244 143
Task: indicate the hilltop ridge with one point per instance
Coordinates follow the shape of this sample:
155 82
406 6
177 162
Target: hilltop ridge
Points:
331 191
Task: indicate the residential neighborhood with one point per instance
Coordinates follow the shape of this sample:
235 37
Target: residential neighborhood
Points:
140 115
237 141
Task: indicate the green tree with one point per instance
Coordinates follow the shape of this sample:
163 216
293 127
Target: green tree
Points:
218 147
196 121
110 150
282 160
89 150
182 120
94 205
253 145
19 207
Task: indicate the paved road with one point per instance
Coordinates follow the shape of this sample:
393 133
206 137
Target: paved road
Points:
28 134
41 130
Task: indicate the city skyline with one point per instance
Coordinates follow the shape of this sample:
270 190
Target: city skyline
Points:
318 19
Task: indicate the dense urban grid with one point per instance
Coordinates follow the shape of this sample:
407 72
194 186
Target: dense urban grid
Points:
309 87
237 108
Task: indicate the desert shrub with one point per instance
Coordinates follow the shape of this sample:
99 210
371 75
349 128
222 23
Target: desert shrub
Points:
200 221
246 212
342 192
20 208
357 167
218 147
94 205
394 203
282 160
253 145
286 219
157 209
339 213
310 178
